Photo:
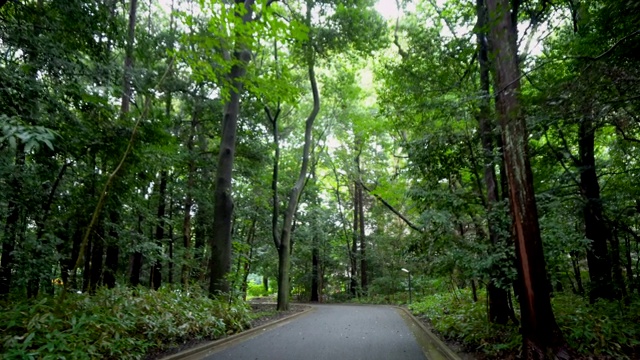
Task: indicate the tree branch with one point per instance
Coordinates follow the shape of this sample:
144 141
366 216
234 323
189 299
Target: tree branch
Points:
393 210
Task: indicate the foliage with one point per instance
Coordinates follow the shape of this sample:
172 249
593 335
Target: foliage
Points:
455 316
603 329
119 323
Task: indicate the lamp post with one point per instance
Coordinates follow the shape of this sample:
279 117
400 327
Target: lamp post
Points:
409 273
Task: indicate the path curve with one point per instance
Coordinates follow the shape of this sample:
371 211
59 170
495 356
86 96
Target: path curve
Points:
334 332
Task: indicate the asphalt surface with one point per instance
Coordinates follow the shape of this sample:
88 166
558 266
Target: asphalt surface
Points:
332 332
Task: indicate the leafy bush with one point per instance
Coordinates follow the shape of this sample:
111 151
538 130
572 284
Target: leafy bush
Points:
120 323
256 290
608 329
604 328
455 316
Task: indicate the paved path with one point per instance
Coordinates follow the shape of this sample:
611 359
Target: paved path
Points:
332 332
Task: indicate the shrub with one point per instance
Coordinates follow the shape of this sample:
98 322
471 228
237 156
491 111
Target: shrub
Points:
119 323
607 329
455 316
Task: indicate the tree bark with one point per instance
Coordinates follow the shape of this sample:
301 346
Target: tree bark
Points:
499 309
97 255
628 265
246 269
315 262
220 261
11 224
616 268
363 241
353 285
188 203
294 197
596 229
156 271
576 271
136 259
541 335
113 253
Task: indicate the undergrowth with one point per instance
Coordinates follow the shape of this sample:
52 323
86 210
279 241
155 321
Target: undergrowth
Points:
118 323
604 329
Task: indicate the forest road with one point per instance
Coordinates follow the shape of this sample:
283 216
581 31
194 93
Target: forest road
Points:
336 332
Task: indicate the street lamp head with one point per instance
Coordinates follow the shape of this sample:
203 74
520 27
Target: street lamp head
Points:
405 270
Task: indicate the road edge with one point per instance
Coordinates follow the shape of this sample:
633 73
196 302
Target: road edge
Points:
202 350
442 347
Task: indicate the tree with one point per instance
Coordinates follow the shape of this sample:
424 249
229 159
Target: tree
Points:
541 335
220 262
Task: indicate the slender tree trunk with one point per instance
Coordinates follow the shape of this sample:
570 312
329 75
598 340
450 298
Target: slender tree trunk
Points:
11 224
246 269
315 262
294 197
86 271
363 241
128 60
616 267
541 335
576 271
596 229
171 239
188 203
136 260
97 255
629 264
353 286
220 261
113 251
156 271
68 264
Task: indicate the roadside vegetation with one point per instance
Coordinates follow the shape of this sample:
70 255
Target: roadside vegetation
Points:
330 150
603 330
118 323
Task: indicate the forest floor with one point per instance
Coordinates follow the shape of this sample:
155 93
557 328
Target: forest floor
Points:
263 312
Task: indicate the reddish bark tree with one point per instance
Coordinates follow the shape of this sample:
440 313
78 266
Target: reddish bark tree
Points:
542 338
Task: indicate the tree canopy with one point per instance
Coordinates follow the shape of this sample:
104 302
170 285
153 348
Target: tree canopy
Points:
316 148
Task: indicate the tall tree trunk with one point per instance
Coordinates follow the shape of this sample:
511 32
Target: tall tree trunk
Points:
499 309
156 271
315 262
315 251
294 197
171 239
541 335
616 267
596 229
11 225
575 263
136 259
188 203
220 261
125 103
113 251
353 285
246 269
628 265
363 241
86 270
97 254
